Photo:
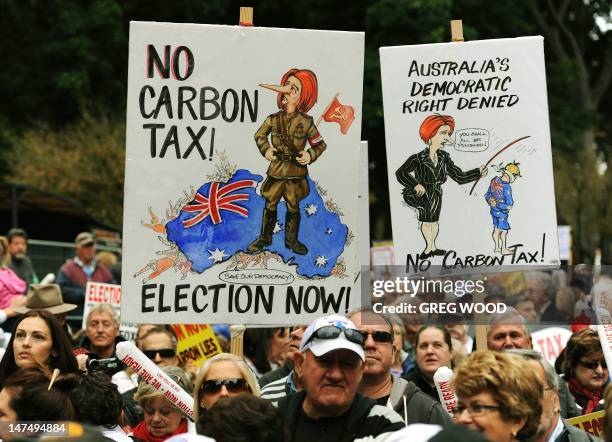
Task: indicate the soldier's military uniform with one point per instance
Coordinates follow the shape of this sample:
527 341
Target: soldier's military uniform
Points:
286 177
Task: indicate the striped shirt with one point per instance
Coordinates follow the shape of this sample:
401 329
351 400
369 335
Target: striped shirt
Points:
275 391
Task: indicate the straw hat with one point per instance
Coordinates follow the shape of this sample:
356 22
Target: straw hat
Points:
45 297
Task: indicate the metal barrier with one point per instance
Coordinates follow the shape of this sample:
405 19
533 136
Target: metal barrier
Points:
49 256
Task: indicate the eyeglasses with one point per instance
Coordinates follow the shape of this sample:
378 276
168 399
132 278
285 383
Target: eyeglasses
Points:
378 336
332 332
164 353
592 365
474 409
233 385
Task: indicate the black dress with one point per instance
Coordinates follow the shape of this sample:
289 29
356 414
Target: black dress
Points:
431 177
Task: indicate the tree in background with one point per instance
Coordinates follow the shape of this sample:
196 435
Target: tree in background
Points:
84 160
74 56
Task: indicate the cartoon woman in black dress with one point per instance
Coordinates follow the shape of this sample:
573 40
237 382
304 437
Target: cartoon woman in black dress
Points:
423 174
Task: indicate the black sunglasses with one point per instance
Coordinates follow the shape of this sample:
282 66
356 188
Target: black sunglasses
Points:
163 353
378 336
233 385
592 365
332 332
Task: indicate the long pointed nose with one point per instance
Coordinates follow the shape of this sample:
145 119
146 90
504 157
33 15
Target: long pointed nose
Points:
277 88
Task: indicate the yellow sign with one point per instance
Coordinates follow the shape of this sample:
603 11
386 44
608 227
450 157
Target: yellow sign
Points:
196 343
591 423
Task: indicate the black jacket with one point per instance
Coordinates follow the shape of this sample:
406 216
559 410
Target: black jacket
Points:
365 417
573 434
418 378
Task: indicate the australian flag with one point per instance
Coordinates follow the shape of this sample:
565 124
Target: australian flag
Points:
224 218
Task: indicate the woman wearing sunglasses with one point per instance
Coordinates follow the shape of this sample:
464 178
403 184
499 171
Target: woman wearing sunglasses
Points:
223 375
499 395
585 370
162 419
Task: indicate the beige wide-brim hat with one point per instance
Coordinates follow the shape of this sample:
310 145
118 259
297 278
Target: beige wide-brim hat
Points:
45 297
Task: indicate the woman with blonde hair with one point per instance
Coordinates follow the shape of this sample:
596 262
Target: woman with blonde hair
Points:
162 419
223 375
499 395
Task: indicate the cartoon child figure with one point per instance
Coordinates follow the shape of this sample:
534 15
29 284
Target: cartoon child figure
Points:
499 198
282 139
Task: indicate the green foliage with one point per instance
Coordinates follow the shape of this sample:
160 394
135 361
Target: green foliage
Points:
84 161
62 55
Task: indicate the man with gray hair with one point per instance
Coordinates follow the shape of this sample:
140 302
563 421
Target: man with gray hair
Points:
509 331
379 384
330 365
553 428
541 291
101 335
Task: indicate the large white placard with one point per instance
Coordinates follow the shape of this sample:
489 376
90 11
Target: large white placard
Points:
469 155
242 168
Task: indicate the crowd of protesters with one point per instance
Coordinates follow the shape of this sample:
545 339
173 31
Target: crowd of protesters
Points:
364 376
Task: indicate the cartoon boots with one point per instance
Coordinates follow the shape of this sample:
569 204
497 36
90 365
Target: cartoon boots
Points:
267 228
292 227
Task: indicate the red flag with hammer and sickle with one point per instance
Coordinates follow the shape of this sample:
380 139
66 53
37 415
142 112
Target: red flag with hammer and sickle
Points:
341 114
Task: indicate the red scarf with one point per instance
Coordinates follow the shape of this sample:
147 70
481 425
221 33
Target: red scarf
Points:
585 396
141 432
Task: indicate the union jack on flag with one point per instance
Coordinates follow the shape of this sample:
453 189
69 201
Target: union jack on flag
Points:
220 197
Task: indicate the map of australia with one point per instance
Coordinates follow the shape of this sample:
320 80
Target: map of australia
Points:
225 217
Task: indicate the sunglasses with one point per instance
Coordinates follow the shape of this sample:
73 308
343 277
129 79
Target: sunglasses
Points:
378 336
332 332
592 365
233 385
177 379
164 353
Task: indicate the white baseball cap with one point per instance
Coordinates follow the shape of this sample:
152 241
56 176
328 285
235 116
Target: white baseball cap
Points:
348 337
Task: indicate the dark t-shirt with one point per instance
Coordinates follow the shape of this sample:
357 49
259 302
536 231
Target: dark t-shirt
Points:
382 400
324 429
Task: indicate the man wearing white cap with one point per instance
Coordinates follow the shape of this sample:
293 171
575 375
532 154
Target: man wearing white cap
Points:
330 364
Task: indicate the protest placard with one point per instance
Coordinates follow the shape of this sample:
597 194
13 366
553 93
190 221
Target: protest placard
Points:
242 170
591 423
565 243
196 343
101 293
550 342
364 207
362 280
469 156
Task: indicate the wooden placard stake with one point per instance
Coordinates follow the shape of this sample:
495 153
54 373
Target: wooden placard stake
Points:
246 16
237 332
480 326
457 30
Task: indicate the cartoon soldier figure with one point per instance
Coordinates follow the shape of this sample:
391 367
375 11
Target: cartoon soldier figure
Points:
289 129
499 198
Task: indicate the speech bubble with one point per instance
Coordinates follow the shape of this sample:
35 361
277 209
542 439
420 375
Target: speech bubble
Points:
471 140
257 277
